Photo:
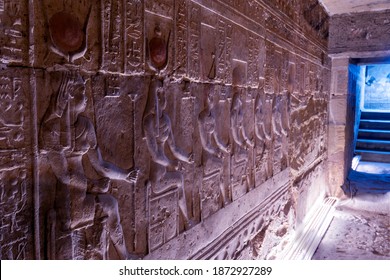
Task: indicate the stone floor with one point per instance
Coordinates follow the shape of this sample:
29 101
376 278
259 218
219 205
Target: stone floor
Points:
360 230
373 167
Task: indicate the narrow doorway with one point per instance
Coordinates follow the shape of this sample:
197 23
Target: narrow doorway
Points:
371 164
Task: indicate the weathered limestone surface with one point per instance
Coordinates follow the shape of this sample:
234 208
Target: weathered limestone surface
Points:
189 129
359 32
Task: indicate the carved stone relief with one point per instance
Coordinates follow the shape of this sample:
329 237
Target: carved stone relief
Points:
152 120
166 175
14 29
83 219
264 138
16 203
214 194
241 161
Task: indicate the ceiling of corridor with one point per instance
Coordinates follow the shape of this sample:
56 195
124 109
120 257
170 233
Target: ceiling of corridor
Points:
352 6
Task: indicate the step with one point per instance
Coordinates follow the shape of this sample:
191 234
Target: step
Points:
369 155
309 235
375 115
375 145
375 134
374 124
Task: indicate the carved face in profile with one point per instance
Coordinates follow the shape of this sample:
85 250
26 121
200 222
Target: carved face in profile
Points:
162 101
79 98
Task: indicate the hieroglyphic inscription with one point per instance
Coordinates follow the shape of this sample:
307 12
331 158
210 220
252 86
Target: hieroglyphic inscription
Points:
164 219
221 50
15 165
134 36
13 31
253 60
194 37
112 34
161 7
208 52
181 43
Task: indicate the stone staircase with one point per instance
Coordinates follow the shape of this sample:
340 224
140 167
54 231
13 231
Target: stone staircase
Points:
373 140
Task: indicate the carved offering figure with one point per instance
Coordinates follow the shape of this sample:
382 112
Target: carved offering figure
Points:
212 158
263 132
241 172
82 204
281 127
165 166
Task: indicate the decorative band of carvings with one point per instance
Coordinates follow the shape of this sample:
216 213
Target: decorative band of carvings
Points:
261 214
216 230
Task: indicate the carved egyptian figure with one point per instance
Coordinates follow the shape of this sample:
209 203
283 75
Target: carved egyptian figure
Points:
242 143
263 132
213 147
68 138
240 137
281 126
165 174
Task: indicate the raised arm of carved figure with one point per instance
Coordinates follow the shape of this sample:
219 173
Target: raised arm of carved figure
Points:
276 119
105 168
109 170
175 150
157 154
206 144
248 142
221 146
59 166
235 129
285 125
259 130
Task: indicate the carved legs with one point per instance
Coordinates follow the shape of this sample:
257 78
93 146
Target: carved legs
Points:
110 212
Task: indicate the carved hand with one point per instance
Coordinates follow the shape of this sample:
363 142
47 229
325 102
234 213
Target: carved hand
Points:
132 176
190 158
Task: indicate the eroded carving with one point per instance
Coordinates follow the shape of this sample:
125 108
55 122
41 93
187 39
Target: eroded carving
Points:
84 208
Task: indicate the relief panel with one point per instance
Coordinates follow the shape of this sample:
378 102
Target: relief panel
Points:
181 38
14 32
81 212
208 52
194 13
214 155
112 34
167 159
242 139
134 36
281 130
263 152
16 193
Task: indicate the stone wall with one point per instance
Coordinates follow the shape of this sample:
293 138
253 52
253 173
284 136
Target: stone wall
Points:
171 129
359 32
